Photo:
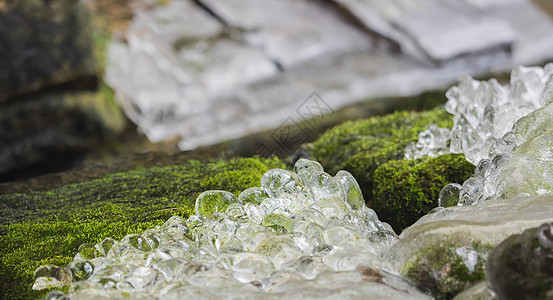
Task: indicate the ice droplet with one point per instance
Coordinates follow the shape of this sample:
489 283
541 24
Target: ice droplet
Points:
210 202
449 195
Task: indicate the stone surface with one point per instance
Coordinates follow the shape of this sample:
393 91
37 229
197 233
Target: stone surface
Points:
355 50
52 129
44 43
455 241
521 267
464 30
310 29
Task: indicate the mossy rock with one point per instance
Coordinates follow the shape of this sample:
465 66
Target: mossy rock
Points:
361 146
521 267
405 190
40 228
449 269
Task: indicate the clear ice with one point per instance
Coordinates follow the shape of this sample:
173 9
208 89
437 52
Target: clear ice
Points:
505 130
305 234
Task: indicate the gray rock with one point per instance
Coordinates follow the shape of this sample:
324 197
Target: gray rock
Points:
432 30
290 32
255 66
521 267
52 129
44 43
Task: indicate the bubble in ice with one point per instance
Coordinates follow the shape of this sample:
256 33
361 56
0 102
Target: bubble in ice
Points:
505 130
293 231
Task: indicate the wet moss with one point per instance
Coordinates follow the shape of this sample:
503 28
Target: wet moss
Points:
47 227
405 190
361 146
448 269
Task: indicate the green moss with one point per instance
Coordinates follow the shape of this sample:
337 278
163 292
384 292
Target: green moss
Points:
405 190
47 227
448 269
361 146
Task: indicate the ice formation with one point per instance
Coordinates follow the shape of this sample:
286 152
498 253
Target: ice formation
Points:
305 234
504 130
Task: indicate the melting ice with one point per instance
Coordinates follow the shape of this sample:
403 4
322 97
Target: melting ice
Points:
505 130
305 234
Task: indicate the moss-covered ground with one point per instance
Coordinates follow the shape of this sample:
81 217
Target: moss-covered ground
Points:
47 227
362 146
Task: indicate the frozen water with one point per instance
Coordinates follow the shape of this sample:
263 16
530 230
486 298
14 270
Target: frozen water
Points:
298 231
505 130
484 112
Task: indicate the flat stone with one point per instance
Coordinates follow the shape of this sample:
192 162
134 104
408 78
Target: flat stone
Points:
463 29
290 32
259 65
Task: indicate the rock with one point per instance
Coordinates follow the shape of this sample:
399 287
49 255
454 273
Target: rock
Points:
48 131
479 291
276 66
445 251
178 63
299 38
464 28
52 106
521 267
44 43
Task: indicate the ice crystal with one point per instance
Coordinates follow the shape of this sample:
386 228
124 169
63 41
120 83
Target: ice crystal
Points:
504 130
484 112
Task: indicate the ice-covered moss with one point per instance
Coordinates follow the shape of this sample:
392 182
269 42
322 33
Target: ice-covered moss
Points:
39 228
361 146
301 239
448 270
405 190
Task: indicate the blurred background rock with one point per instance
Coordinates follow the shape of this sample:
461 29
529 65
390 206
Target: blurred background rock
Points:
234 74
